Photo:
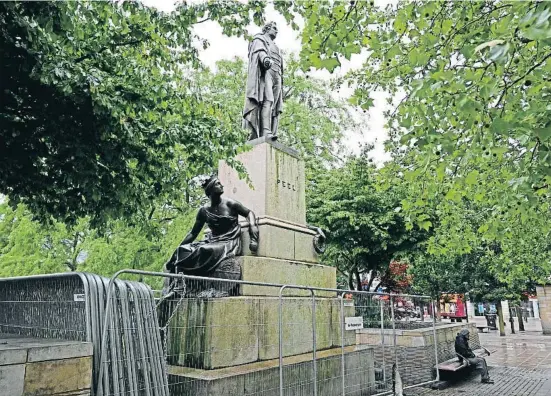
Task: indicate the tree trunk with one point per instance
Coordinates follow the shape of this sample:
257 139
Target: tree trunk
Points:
501 321
358 280
372 275
350 281
520 321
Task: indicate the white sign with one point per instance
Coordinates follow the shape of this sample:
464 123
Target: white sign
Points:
79 297
353 323
348 303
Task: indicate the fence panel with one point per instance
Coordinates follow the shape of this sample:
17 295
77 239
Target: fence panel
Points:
229 337
50 306
400 329
216 336
211 336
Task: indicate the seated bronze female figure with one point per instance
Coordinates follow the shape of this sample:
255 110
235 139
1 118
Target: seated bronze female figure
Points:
212 257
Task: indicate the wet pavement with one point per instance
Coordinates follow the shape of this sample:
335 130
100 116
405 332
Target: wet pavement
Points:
520 365
526 351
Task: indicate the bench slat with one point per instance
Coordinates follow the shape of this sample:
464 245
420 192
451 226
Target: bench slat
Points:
455 365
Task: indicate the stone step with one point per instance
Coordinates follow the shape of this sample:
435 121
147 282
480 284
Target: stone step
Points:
281 239
285 272
262 378
222 332
37 366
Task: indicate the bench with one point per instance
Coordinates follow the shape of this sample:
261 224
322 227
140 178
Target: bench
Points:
454 365
450 367
481 329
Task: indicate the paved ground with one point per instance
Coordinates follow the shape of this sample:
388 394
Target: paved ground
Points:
520 365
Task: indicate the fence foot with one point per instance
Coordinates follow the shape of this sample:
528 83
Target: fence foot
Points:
440 385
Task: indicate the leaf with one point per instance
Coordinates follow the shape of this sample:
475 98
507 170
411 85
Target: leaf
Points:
472 177
499 53
399 25
499 126
544 134
483 228
425 225
367 103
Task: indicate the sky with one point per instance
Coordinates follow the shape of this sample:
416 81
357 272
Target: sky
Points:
226 48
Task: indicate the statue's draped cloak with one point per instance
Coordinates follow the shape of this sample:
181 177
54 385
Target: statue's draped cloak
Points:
256 87
203 257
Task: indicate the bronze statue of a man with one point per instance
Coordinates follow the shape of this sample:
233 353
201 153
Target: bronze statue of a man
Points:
264 94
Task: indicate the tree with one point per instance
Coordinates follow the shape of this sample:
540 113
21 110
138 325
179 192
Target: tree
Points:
397 278
469 126
472 75
365 227
28 247
97 114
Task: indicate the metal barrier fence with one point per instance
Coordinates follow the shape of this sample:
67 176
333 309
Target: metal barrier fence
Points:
213 336
227 337
46 306
70 306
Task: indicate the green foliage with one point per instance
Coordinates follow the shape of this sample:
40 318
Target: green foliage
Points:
470 131
313 123
27 247
365 226
98 118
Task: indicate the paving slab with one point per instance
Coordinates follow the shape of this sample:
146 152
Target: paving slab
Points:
520 366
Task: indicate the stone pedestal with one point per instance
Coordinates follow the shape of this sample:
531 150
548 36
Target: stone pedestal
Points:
282 240
224 332
262 378
285 272
230 346
277 180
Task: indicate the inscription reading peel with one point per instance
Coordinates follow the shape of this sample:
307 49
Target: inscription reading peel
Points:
287 185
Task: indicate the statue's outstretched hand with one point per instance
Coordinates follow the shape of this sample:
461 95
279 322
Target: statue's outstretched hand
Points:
253 246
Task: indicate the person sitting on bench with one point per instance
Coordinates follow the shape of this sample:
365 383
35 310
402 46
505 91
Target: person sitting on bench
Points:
465 352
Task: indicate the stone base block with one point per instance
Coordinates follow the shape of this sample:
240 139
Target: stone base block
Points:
12 379
35 366
58 377
262 378
223 332
544 300
282 240
285 272
277 178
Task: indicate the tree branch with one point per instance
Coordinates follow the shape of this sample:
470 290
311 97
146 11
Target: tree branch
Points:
531 69
332 28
